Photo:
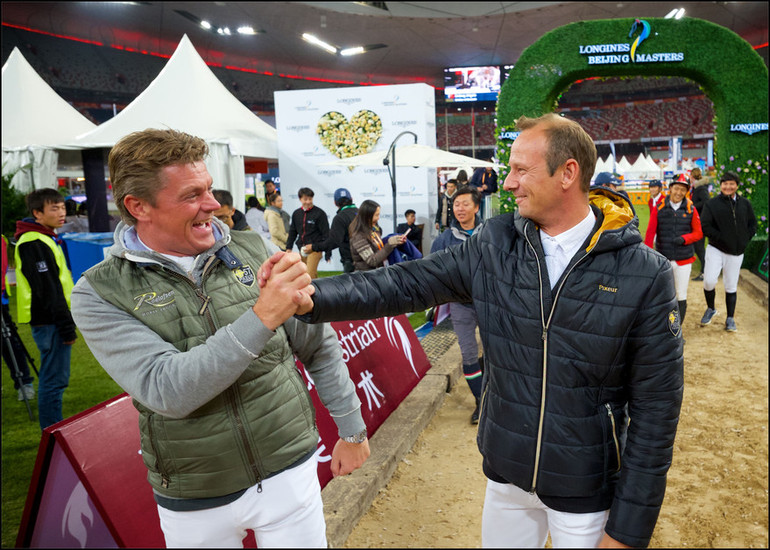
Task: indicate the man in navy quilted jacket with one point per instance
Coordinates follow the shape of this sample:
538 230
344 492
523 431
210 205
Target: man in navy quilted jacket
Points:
579 321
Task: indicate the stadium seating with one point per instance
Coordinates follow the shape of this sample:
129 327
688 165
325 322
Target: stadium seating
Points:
610 109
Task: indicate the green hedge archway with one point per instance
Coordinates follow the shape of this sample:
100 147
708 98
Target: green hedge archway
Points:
730 72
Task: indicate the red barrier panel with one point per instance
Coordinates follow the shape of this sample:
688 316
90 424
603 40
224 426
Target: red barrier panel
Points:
89 487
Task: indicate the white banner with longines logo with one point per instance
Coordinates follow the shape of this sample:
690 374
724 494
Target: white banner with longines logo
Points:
322 125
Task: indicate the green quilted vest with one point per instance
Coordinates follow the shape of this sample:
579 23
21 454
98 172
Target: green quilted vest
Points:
261 424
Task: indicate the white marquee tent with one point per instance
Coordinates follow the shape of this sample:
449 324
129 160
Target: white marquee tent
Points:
644 168
36 122
187 96
603 166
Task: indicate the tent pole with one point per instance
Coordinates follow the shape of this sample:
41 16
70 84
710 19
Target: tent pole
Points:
96 192
391 164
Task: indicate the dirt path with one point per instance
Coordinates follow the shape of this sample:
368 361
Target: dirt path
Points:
717 487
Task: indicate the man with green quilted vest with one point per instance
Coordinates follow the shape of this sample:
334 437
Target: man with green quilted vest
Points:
174 314
43 287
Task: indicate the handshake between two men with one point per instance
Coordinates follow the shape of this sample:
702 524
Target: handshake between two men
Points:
285 289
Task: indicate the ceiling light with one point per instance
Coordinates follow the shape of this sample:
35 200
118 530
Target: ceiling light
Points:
246 30
206 25
227 31
320 43
679 14
353 51
672 13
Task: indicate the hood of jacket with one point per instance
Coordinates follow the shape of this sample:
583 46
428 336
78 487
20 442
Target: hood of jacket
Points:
278 211
128 247
617 223
29 224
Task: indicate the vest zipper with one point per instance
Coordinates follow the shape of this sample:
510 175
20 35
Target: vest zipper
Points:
544 336
230 396
253 459
614 433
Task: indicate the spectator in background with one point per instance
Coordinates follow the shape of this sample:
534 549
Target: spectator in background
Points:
338 237
699 192
415 232
235 219
366 246
462 178
309 225
255 217
269 190
44 285
444 215
15 352
71 206
610 181
277 220
674 226
464 320
485 180
77 218
655 188
729 223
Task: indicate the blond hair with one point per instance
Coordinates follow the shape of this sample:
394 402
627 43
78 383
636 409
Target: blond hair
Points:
135 163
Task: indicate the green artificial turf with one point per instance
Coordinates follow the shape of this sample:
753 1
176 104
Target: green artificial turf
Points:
89 385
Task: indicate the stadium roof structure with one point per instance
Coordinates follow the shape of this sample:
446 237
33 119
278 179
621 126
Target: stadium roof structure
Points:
187 96
420 38
34 115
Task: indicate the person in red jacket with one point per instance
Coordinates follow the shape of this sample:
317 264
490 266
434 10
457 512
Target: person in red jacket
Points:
656 194
673 228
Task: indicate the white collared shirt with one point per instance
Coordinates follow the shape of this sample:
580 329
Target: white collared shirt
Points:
560 249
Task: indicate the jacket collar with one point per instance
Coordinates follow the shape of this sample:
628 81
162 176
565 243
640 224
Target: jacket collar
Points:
128 247
28 225
616 222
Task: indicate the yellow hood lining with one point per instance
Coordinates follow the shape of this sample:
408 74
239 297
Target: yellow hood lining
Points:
617 212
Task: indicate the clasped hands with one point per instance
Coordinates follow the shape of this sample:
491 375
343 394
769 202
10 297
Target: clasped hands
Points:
285 289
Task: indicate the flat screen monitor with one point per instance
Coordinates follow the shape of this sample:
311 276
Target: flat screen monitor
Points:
506 72
471 83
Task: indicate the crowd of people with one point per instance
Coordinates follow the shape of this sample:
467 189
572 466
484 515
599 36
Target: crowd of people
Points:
580 324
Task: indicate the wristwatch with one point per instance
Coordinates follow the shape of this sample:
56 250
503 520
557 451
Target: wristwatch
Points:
360 437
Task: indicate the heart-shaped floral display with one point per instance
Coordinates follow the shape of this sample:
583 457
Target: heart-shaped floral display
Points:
349 138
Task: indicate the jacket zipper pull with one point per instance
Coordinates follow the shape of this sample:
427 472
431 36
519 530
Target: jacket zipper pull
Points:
164 482
259 486
205 305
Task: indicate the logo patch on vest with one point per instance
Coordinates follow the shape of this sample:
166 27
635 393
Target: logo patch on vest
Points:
674 325
154 299
244 275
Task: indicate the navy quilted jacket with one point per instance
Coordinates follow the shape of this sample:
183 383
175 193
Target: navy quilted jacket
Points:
561 364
